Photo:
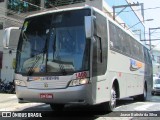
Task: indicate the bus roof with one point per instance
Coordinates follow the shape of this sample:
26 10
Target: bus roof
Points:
85 7
59 10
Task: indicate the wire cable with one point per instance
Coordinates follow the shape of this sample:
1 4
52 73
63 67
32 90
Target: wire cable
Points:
138 10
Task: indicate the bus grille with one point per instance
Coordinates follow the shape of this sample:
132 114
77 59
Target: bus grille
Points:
47 84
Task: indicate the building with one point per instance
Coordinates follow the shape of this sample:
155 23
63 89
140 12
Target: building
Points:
156 60
13 13
126 16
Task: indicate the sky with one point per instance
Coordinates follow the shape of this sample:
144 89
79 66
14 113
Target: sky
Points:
152 11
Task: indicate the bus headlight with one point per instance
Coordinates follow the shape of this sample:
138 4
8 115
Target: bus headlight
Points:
79 82
20 83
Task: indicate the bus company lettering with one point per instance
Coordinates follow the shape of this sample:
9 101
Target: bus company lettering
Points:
135 65
45 78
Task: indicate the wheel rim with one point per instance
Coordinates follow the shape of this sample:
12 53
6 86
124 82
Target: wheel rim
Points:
113 99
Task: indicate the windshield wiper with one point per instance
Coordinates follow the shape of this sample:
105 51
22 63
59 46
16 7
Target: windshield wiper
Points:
61 66
62 69
31 69
24 37
44 50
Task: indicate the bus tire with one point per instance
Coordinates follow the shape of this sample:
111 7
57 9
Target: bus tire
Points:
112 102
111 105
57 107
143 96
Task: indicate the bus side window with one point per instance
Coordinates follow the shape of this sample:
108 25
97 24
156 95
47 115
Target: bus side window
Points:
99 48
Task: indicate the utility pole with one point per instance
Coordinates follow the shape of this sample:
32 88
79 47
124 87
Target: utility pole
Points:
139 30
150 44
142 10
124 7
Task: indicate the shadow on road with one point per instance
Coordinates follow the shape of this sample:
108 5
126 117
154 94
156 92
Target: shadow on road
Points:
75 112
125 101
78 112
69 112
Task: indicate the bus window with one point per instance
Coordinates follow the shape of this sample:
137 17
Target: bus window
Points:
100 46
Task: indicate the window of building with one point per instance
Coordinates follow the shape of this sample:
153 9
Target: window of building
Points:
23 6
55 3
1 25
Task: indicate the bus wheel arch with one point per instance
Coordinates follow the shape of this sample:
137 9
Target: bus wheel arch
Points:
115 94
143 96
110 105
116 85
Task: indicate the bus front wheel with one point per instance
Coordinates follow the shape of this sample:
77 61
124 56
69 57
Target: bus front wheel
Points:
57 107
112 102
111 105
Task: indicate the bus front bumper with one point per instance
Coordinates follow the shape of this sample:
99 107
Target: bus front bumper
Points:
77 95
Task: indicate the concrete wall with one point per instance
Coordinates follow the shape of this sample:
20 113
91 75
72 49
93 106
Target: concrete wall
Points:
7 72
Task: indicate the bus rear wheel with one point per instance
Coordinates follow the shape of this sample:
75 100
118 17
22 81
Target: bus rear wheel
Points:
57 107
153 93
143 96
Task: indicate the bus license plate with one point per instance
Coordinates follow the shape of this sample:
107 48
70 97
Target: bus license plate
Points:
46 96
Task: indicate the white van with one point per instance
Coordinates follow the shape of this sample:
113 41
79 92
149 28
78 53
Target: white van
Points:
156 86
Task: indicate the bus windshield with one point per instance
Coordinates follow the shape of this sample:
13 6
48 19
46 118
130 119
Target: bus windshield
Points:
53 43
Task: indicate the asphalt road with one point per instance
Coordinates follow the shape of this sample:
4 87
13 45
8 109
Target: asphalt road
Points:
129 108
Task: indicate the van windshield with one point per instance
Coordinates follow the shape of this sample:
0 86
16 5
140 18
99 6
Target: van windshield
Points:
157 81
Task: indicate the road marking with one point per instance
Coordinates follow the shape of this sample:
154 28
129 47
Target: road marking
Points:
144 107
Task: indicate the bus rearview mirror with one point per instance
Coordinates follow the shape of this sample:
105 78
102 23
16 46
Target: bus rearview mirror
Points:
88 26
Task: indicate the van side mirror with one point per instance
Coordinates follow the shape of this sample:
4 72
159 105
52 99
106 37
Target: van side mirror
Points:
11 37
88 26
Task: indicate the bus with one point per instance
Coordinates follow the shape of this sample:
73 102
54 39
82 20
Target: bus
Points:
79 56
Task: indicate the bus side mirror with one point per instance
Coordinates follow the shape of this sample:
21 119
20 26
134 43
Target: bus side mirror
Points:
11 37
88 26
